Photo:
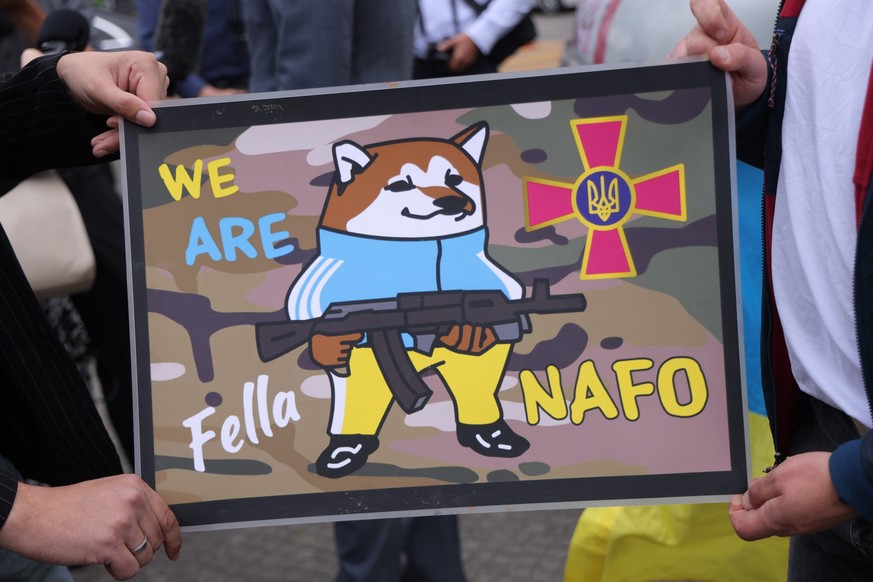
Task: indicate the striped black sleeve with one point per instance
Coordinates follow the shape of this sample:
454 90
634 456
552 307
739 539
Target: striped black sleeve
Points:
8 489
40 126
49 427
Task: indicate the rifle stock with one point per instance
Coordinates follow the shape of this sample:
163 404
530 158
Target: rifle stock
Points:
277 338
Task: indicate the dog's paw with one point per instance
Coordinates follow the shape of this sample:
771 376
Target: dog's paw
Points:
492 440
345 454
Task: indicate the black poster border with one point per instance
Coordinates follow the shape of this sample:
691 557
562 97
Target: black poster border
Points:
410 97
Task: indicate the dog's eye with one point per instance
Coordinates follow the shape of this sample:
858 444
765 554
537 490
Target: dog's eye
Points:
401 185
453 180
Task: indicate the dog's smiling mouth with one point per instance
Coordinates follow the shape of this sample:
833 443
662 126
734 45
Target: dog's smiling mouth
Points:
442 211
456 204
460 206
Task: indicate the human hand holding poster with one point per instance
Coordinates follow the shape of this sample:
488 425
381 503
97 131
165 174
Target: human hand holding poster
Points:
539 270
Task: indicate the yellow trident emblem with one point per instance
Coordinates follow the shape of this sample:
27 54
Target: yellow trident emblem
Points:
603 201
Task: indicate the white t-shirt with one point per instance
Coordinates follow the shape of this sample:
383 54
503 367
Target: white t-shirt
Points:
814 230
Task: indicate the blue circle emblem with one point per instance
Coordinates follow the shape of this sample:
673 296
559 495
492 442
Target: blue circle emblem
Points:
604 198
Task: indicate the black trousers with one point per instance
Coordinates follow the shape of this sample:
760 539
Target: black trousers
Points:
432 69
409 549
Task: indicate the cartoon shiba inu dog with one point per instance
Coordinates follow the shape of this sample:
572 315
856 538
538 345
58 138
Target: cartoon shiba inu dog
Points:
406 216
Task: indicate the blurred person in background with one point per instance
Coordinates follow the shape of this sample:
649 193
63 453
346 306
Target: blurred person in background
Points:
103 308
56 113
300 45
805 114
456 37
224 59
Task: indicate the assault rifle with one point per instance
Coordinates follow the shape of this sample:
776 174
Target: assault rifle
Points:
425 316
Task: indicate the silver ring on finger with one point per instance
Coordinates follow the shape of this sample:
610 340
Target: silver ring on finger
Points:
140 546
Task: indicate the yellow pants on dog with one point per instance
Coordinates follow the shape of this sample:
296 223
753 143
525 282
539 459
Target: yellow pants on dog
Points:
362 399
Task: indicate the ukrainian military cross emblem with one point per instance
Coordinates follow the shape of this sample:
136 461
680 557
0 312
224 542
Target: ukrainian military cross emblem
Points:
604 198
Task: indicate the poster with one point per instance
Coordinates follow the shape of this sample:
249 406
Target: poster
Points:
515 291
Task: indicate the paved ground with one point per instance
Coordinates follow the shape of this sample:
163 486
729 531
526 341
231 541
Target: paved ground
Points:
527 546
522 546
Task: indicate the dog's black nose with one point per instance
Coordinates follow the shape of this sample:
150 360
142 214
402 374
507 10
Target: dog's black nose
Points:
455 204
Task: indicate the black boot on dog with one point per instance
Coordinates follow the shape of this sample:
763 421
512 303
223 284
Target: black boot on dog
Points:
345 454
492 440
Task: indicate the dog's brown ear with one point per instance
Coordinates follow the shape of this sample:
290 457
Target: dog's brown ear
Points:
473 140
350 160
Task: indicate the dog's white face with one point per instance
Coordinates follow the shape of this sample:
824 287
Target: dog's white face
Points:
422 202
409 190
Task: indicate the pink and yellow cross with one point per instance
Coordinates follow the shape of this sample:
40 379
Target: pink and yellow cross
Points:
604 198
